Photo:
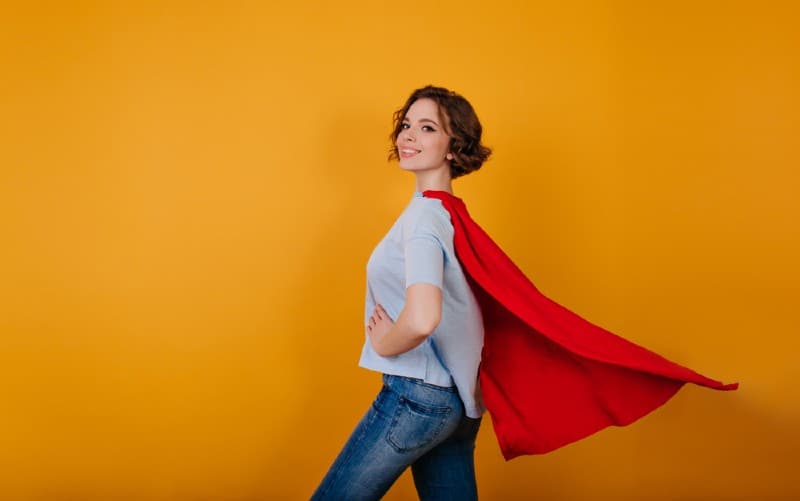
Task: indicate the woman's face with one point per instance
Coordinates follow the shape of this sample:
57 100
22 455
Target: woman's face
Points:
423 143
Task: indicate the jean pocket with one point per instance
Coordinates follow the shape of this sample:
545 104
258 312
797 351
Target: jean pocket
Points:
415 425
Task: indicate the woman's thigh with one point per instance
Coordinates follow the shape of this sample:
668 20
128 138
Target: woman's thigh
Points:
407 419
447 471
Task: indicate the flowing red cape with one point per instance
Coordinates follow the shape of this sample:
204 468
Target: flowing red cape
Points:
549 377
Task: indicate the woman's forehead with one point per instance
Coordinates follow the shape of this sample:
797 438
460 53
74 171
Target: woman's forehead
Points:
424 109
423 105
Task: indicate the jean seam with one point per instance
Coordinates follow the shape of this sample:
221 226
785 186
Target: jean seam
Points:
420 382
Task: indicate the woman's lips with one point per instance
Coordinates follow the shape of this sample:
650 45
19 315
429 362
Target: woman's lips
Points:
408 152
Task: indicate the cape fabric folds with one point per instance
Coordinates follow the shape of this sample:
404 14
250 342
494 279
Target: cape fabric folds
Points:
549 377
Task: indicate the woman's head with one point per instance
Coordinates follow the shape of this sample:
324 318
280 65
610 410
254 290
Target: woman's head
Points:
454 122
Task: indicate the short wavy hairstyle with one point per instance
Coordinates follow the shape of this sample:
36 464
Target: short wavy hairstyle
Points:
461 124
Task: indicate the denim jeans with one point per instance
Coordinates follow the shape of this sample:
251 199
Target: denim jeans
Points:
410 423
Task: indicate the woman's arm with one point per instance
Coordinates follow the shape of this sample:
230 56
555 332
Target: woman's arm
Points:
420 316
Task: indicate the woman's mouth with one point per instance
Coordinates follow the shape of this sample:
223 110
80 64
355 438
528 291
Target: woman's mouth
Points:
408 152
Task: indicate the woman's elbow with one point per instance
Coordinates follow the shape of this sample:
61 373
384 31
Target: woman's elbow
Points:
423 325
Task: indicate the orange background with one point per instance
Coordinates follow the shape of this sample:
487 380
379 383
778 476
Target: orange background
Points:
189 194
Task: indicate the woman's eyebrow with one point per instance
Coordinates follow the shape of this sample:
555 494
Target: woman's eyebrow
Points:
423 120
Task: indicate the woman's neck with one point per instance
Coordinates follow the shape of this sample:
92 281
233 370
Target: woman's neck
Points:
438 180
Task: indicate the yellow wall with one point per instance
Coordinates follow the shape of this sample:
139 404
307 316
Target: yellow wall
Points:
189 194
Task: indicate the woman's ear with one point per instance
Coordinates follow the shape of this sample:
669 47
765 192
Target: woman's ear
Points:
449 156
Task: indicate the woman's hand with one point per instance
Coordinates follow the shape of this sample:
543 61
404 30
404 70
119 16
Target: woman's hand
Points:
378 326
416 321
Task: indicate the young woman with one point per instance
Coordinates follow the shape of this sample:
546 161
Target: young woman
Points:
423 324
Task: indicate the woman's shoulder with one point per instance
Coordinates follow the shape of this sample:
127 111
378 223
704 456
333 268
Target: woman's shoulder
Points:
428 215
428 209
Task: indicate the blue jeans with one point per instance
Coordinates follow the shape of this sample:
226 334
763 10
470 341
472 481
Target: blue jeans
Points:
410 423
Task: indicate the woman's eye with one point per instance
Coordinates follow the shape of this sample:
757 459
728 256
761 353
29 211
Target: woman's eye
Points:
426 128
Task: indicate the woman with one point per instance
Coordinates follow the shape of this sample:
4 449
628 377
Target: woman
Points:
423 324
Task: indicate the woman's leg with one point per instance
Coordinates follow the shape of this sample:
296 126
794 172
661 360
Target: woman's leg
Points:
407 419
447 472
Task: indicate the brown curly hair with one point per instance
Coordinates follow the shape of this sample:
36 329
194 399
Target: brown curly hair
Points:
461 124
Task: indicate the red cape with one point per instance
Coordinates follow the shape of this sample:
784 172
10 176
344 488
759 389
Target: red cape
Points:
549 377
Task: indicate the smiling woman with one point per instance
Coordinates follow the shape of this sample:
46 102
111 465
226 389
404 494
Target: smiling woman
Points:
422 142
548 376
456 132
423 326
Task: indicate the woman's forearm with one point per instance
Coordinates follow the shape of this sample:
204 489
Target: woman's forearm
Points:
404 335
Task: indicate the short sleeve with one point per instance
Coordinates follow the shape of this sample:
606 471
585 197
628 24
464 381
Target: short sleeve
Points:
424 260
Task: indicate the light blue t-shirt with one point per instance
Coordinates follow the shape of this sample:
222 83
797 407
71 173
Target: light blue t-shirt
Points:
419 248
